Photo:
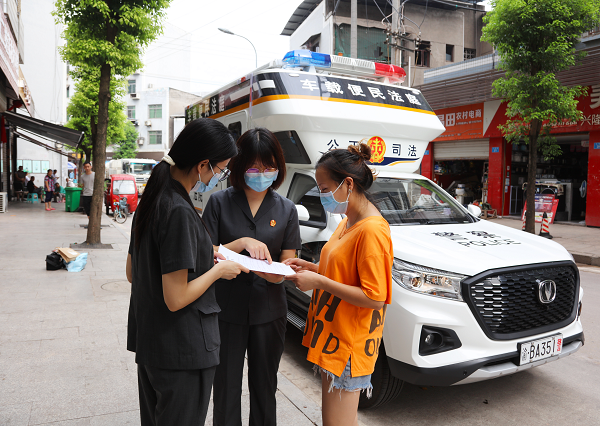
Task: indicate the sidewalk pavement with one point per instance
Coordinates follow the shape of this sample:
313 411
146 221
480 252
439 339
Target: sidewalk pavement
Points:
581 241
62 342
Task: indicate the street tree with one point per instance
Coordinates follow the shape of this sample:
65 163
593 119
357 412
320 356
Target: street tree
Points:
128 146
106 36
83 110
536 39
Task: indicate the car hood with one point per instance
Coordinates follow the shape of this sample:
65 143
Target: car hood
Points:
472 248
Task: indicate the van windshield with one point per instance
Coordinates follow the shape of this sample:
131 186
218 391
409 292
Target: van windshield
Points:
415 202
123 187
140 168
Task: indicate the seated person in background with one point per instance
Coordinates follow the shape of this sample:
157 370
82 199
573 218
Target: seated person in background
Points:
59 192
32 189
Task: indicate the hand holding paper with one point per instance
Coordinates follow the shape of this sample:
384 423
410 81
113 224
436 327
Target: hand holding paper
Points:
256 264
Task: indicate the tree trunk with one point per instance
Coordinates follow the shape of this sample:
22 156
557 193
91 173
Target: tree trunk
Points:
99 154
531 171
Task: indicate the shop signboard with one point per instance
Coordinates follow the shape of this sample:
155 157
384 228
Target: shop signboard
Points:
463 122
544 203
9 54
589 105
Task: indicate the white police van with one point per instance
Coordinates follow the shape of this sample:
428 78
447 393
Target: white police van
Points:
472 300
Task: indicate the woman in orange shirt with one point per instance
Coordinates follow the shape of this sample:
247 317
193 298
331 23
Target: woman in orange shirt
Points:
351 285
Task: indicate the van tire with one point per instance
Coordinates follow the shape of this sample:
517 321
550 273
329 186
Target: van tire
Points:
385 386
107 210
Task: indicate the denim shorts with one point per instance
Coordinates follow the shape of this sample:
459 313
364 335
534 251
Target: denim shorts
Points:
346 381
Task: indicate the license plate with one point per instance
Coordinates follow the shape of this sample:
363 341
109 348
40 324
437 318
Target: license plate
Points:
540 349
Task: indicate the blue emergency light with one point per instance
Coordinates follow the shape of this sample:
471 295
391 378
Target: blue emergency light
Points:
307 58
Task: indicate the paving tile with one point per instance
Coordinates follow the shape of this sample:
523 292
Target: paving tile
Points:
15 415
59 410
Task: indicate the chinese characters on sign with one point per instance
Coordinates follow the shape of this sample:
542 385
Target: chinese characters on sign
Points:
465 122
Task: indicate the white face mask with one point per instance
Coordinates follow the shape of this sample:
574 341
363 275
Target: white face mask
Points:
202 187
331 205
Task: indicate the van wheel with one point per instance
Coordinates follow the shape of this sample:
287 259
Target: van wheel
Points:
107 212
385 386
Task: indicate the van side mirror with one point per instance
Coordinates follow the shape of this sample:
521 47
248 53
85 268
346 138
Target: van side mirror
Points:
474 210
303 214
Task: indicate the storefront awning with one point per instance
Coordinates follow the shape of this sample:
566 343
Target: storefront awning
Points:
43 128
43 145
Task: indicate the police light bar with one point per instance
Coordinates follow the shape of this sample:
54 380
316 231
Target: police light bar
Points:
307 58
343 64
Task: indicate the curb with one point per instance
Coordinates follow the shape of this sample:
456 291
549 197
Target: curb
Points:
586 259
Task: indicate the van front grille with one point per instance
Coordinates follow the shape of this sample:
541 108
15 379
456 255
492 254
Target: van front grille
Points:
507 304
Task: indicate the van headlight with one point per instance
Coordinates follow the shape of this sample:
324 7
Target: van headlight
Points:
426 280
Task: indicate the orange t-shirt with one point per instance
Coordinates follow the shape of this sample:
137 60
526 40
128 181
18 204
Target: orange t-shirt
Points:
337 330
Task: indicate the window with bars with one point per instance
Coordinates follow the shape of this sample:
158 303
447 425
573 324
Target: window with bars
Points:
131 112
422 54
131 86
155 137
470 53
155 111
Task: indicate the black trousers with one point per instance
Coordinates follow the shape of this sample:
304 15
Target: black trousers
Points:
174 397
264 345
86 203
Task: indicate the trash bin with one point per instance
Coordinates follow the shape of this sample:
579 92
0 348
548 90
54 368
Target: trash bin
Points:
72 198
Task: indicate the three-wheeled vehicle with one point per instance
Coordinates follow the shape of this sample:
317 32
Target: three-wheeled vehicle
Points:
118 186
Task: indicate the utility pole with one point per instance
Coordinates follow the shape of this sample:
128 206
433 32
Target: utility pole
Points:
396 24
353 29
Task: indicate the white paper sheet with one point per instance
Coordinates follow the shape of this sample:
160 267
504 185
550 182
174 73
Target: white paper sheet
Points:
255 264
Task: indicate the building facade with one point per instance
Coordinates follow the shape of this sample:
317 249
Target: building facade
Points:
158 116
433 34
472 152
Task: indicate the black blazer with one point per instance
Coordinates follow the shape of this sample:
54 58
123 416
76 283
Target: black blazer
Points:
187 339
249 299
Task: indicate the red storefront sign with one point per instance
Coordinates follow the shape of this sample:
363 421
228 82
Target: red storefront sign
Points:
464 122
589 105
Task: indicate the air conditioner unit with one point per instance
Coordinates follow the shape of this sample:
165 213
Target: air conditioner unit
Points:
148 123
140 141
134 96
134 121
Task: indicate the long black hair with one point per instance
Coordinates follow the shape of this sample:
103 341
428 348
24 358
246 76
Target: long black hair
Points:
201 139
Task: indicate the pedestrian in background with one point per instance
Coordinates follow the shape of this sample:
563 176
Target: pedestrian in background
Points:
87 181
173 327
251 218
19 183
351 285
49 189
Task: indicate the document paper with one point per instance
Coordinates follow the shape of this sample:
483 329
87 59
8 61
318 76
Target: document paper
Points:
256 264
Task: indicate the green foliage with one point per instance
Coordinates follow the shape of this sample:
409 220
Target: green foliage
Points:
104 38
83 109
535 40
108 32
128 147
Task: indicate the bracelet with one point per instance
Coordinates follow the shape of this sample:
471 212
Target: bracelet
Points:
279 282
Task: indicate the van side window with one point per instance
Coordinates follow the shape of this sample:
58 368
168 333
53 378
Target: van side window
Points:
293 150
304 191
236 129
